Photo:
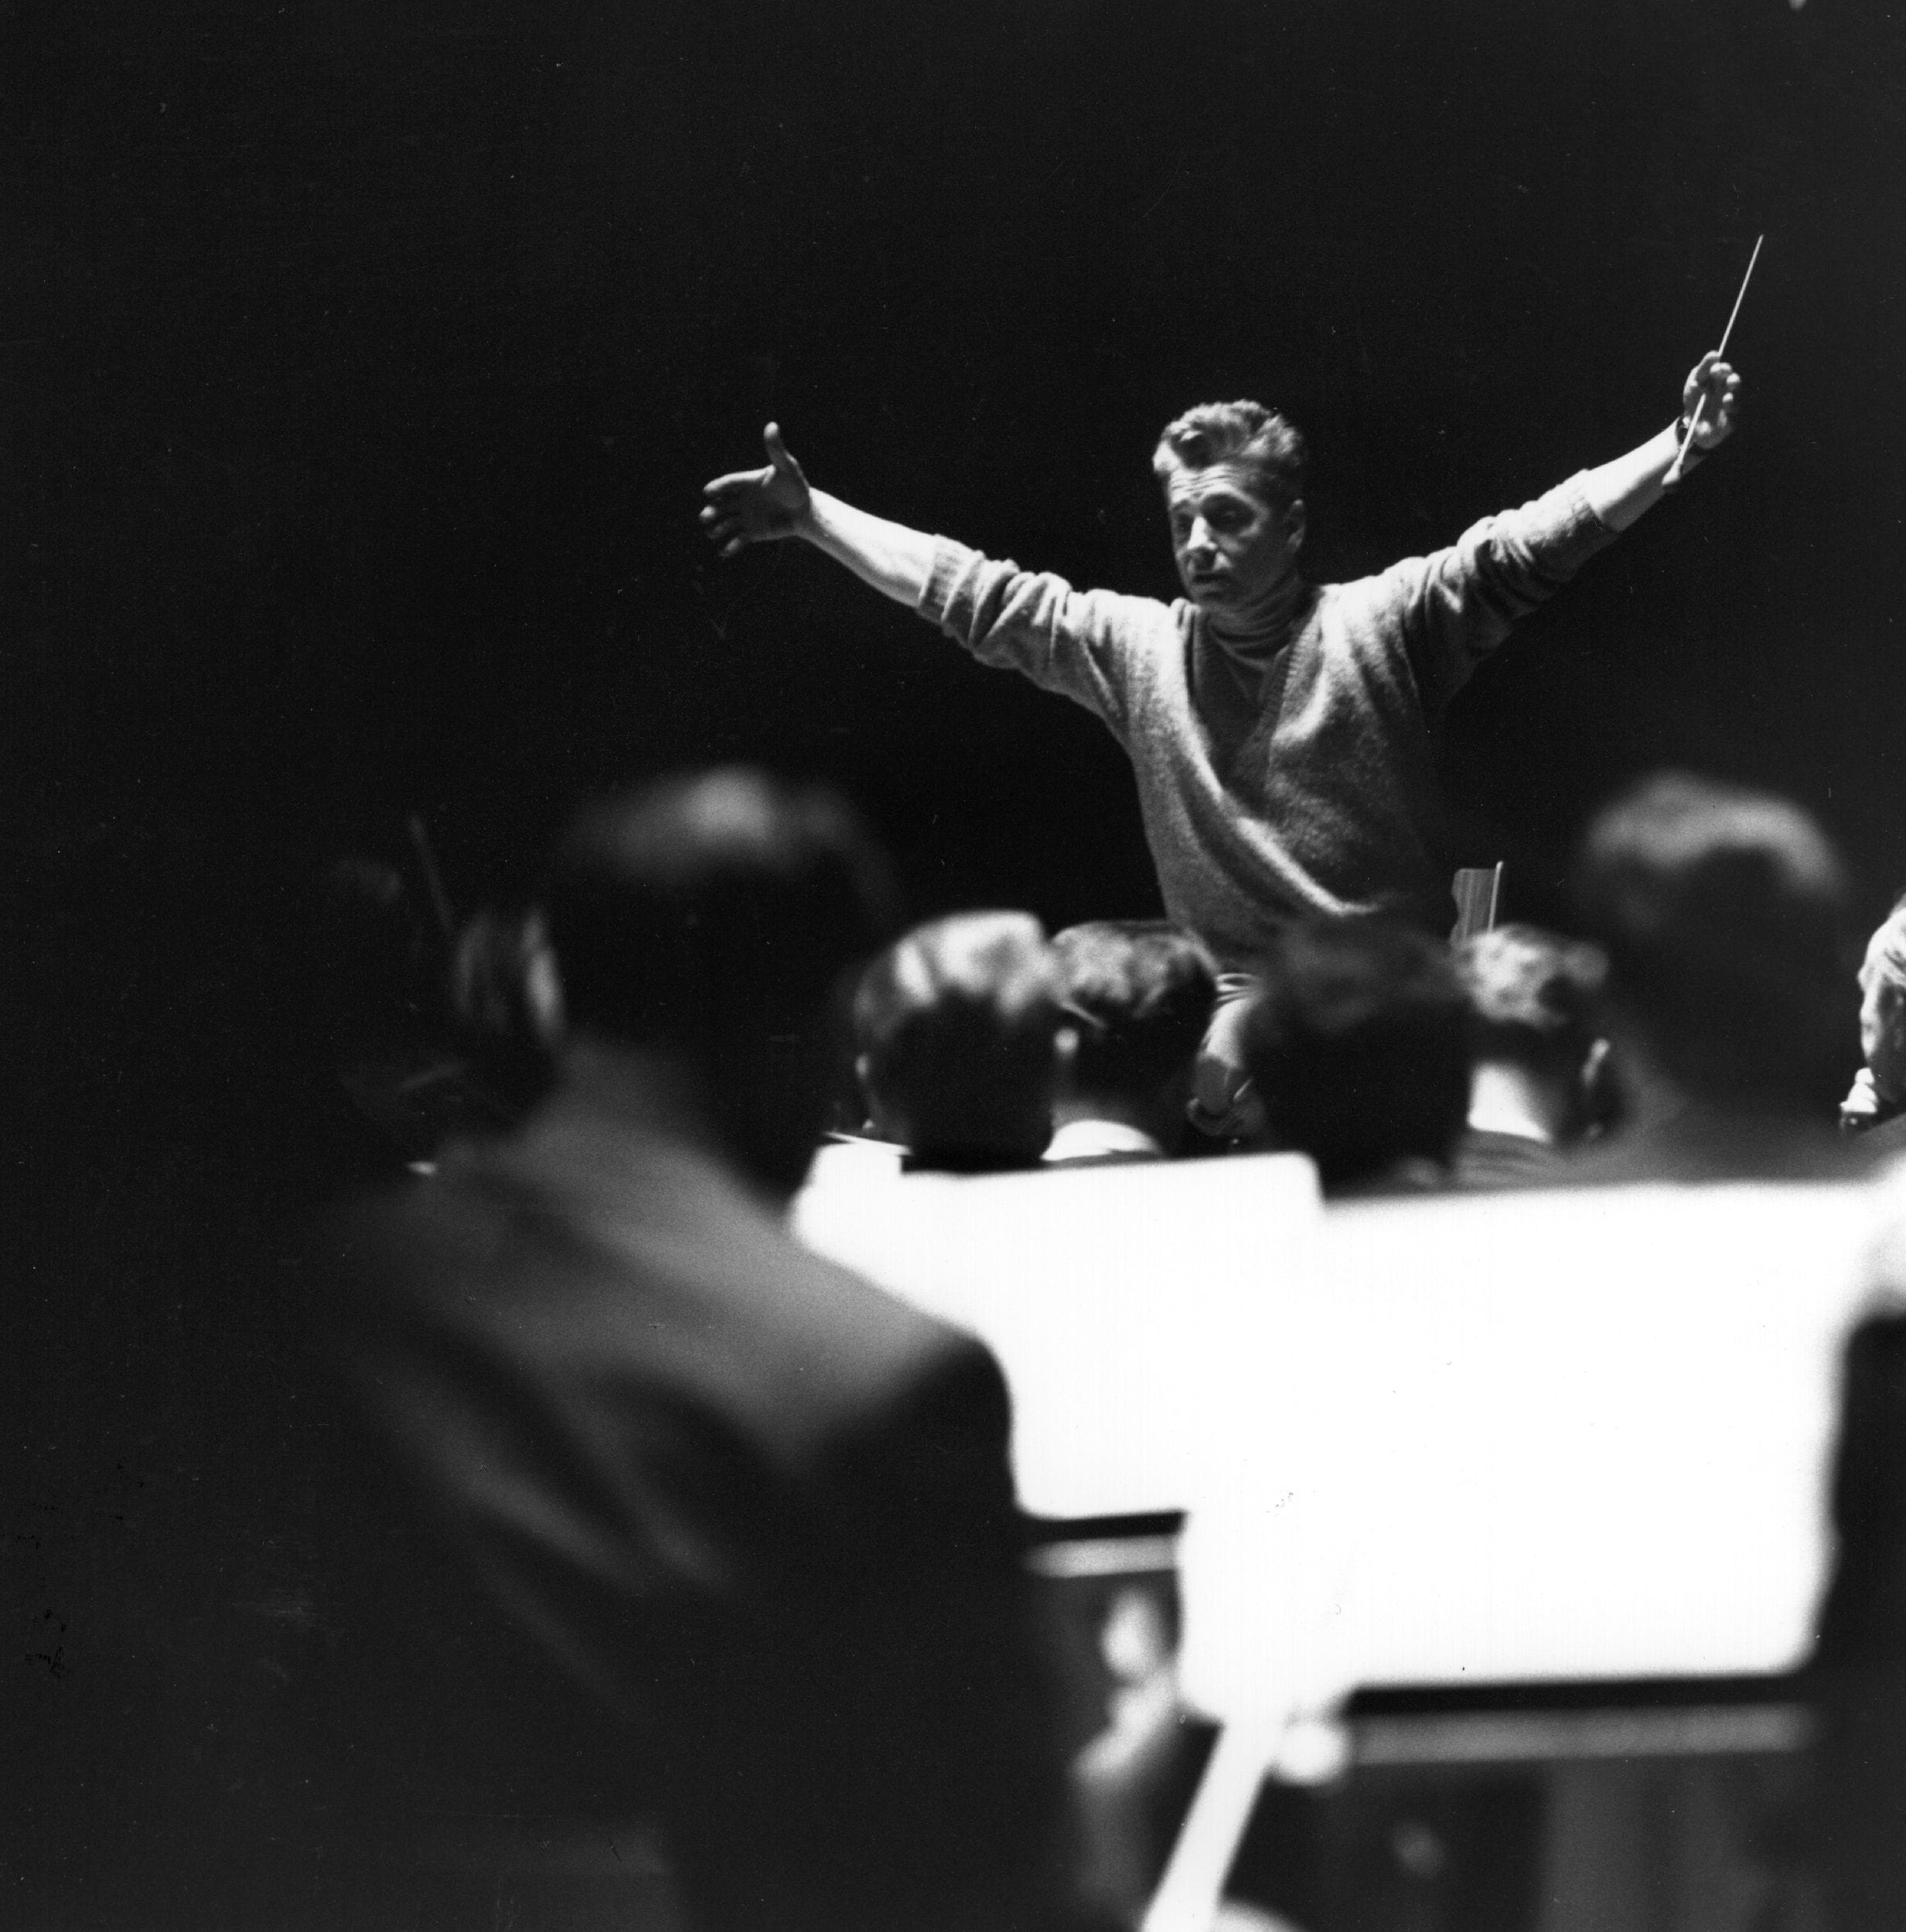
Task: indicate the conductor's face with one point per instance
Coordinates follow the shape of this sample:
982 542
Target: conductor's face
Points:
1233 547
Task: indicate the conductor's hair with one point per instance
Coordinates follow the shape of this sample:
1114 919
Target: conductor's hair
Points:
725 902
1270 447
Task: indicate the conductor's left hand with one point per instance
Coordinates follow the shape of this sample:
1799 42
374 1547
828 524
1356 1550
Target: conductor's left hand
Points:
1716 383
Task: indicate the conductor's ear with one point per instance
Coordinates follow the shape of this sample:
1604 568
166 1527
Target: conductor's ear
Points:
1294 526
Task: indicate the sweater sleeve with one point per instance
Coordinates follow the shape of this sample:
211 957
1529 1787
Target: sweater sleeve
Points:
1453 607
1080 643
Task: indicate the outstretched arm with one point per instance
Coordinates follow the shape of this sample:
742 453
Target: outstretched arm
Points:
1619 492
1456 605
1074 642
766 505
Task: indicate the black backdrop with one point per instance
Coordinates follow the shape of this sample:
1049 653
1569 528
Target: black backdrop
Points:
362 361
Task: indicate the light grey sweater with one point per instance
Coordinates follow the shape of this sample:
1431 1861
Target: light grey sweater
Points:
1302 779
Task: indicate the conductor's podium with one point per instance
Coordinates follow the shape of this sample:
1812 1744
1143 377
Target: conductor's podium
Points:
1506 1515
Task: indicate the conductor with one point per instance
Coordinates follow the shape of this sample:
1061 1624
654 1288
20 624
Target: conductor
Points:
1282 732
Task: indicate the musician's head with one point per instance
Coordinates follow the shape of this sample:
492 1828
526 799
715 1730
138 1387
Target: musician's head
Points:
1359 1045
1724 914
957 1026
1535 1019
709 918
1883 1006
1138 995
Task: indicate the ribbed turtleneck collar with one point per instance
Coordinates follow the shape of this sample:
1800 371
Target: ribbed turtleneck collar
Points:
1252 638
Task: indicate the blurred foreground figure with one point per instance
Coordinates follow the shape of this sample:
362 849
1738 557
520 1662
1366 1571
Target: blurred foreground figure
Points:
1875 1107
758 1510
1533 1042
957 1028
1860 1661
1138 994
1358 1048
1723 912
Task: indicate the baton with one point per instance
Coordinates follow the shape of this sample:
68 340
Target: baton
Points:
1679 464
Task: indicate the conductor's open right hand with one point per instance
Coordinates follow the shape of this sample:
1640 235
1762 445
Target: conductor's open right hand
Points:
759 506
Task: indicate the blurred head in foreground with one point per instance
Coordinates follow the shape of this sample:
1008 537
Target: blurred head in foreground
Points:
956 1028
1138 996
706 920
1722 913
1359 1045
1534 1026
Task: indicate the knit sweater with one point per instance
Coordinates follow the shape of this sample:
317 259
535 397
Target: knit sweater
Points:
1299 779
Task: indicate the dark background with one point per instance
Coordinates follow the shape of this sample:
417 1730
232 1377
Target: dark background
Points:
362 361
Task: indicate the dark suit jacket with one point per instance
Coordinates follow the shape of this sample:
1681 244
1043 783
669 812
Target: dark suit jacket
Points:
1859 1662
761 1512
